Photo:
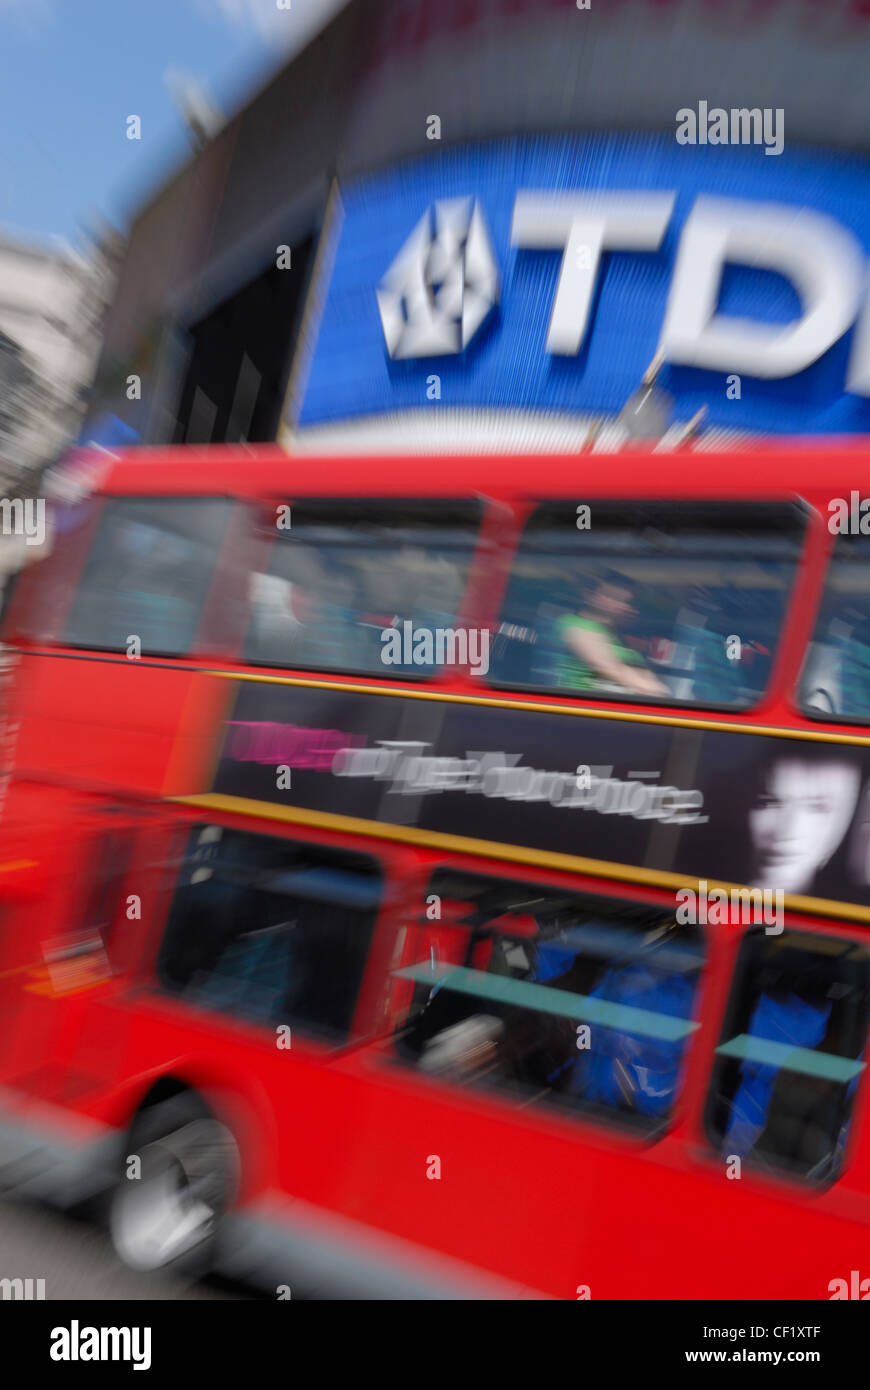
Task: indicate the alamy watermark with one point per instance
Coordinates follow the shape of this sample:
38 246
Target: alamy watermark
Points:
25 1290
23 517
719 906
849 517
439 646
740 126
77 1343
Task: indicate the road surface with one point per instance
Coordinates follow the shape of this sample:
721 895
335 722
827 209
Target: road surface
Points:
76 1261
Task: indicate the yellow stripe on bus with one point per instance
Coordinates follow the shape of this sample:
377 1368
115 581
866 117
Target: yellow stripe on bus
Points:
492 849
627 716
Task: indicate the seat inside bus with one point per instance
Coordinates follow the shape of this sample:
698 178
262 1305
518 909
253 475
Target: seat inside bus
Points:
778 1100
524 991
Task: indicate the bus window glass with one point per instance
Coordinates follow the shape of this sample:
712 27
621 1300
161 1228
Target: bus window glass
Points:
148 574
270 930
791 1053
561 999
680 603
836 673
358 588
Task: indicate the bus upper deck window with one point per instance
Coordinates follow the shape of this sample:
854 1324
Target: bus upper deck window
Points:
148 574
352 587
680 603
835 679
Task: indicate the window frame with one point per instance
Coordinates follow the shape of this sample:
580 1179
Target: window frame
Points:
597 1118
665 507
108 500
816 716
739 973
321 1042
343 505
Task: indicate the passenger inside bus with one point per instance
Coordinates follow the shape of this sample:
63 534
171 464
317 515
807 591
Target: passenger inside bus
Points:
676 643
301 618
594 653
661 602
333 592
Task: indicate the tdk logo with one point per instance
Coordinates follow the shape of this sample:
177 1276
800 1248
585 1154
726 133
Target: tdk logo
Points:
442 284
445 280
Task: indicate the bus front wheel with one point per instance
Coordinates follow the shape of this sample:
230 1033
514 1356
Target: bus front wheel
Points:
180 1176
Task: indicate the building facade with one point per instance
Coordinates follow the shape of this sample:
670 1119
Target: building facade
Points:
474 224
52 305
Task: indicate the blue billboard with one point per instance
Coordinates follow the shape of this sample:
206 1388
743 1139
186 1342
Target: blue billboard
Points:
460 266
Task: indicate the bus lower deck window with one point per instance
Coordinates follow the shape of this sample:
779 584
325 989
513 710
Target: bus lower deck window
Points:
560 999
270 930
791 1053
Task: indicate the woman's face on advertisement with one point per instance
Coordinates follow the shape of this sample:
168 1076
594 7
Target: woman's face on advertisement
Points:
799 820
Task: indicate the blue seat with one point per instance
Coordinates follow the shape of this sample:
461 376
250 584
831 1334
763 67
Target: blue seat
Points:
791 1021
650 1066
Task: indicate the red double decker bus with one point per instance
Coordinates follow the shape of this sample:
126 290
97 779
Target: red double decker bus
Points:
447 877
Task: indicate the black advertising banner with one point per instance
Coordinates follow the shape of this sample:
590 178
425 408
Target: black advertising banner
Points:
756 809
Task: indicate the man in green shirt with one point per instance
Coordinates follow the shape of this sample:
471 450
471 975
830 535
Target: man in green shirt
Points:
594 653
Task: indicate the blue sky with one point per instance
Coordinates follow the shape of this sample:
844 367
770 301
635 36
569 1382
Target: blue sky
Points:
71 71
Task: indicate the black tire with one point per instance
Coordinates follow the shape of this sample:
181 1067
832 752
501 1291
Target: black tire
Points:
169 1217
